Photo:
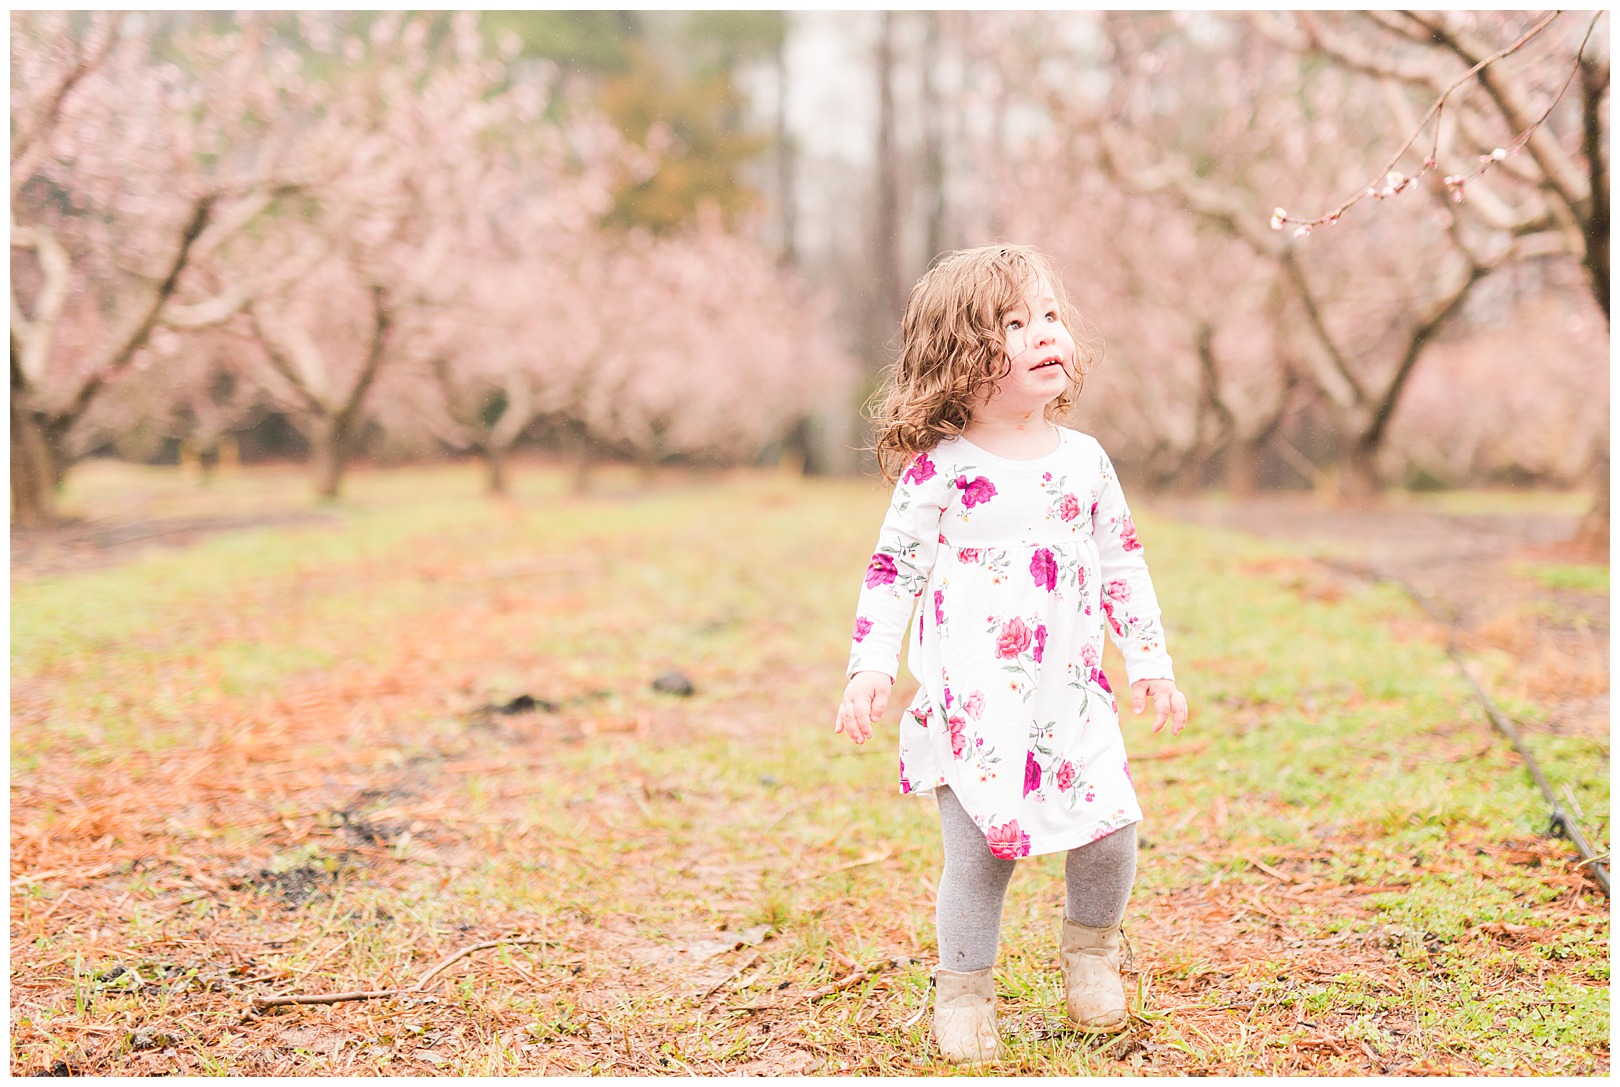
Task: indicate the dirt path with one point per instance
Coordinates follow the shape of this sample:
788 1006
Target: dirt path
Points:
1465 564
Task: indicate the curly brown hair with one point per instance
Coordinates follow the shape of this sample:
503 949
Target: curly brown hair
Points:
953 348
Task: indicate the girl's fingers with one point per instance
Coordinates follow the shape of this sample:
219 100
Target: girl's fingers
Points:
1161 711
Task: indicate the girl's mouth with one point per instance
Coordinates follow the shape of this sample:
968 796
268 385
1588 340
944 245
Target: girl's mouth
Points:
1048 362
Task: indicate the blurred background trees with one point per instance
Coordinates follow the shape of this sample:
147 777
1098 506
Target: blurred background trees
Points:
685 237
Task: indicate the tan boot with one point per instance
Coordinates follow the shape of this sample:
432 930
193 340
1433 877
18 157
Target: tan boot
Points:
965 1016
1094 993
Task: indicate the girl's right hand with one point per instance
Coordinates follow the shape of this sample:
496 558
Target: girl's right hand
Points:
865 699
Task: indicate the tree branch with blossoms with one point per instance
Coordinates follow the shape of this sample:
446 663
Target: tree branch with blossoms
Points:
1391 182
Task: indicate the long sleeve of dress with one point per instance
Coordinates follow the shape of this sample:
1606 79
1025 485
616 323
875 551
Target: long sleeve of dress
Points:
898 572
1128 600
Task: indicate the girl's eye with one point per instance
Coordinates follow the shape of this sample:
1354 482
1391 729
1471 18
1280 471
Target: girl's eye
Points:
1014 325
1051 315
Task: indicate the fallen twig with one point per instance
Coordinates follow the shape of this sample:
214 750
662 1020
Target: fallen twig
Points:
857 977
717 986
1174 751
876 858
260 1003
76 873
1270 871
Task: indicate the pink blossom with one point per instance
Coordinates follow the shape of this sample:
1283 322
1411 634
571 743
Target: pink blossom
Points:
1118 590
976 491
958 729
1089 655
905 784
939 607
1007 841
1032 773
1040 642
881 570
1127 535
921 470
1043 567
1101 680
863 627
968 554
973 705
1069 507
1108 609
1014 639
1065 775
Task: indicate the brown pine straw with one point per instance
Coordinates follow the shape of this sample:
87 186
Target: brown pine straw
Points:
261 1003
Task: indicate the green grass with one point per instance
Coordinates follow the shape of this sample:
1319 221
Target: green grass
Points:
1322 746
1578 577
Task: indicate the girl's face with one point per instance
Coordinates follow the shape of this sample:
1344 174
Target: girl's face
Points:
1040 353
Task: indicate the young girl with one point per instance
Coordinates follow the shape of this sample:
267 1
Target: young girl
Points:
1016 536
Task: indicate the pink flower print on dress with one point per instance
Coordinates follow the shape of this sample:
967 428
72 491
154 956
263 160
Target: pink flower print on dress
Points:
1032 773
921 470
1127 766
968 554
863 627
921 716
1069 507
1108 610
881 571
939 607
1015 638
1040 642
1101 680
1043 568
1065 775
973 705
905 785
958 728
1089 656
1118 590
1127 535
1007 841
975 491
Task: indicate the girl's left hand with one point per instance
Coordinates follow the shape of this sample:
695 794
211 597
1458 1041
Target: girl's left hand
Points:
1169 704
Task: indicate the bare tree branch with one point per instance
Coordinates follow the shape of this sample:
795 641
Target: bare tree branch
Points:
135 337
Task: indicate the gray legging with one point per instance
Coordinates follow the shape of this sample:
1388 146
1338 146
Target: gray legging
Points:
1097 876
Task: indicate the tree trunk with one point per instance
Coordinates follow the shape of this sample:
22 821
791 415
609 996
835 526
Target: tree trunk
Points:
37 461
495 465
1243 466
35 470
889 296
933 140
332 450
1359 478
787 193
1593 534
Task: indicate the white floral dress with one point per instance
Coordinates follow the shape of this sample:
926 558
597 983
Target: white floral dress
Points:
1021 567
